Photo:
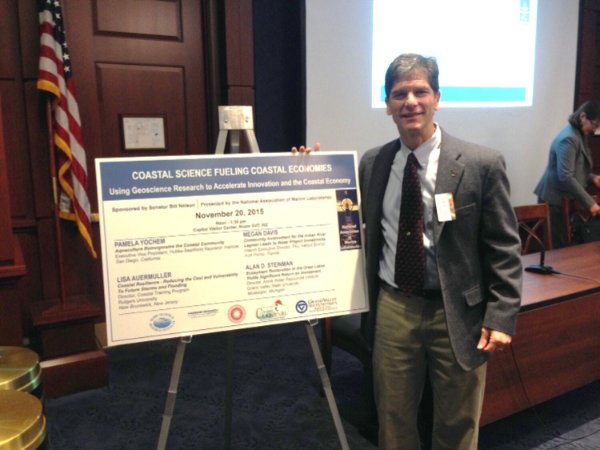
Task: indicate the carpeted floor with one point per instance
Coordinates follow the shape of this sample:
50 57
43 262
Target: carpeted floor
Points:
569 422
277 401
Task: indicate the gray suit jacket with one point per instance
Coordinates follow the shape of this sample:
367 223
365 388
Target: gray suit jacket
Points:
478 254
569 170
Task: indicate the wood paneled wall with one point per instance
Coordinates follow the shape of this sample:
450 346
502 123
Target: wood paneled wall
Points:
587 83
176 58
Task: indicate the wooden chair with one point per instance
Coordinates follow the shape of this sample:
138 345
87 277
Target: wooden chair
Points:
569 209
534 221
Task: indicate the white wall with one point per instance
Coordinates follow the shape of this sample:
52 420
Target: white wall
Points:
339 115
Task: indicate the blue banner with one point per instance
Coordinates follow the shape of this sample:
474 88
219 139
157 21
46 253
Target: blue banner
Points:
143 178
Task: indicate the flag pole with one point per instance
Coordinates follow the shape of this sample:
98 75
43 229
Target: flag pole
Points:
56 207
61 109
48 313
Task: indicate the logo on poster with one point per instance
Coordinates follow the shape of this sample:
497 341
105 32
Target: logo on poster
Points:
203 313
301 306
236 313
277 311
162 322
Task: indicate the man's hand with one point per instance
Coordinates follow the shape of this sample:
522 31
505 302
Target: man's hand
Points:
493 340
304 149
595 209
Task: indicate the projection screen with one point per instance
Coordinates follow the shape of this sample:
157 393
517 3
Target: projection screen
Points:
343 83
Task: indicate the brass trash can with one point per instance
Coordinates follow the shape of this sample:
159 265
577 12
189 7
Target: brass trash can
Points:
23 425
20 370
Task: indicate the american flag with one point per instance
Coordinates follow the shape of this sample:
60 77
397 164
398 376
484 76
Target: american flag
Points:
55 77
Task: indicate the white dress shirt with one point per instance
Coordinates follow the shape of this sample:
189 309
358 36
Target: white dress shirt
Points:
428 155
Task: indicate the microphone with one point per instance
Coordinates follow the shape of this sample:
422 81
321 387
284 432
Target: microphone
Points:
540 268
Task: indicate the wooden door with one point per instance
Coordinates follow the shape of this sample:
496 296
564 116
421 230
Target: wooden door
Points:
139 57
588 63
142 58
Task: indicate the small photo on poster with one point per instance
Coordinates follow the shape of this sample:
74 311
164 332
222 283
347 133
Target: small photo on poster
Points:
348 219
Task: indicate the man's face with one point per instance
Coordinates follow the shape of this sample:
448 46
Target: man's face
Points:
411 104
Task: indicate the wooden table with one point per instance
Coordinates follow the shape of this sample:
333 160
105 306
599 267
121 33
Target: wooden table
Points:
557 345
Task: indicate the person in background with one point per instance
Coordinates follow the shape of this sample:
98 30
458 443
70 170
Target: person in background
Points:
569 170
440 304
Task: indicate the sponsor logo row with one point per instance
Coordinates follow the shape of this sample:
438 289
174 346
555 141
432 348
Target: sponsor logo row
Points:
236 314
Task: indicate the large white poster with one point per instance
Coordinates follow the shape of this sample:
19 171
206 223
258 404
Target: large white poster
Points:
200 244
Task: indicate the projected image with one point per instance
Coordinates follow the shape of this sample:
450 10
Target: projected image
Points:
485 48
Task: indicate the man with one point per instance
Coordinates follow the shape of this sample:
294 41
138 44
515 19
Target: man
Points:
464 306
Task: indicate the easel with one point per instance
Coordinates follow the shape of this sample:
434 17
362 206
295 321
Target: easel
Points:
235 119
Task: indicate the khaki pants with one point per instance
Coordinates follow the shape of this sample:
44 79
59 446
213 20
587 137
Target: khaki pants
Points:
411 339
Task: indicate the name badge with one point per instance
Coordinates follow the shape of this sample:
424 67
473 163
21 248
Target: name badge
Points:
444 204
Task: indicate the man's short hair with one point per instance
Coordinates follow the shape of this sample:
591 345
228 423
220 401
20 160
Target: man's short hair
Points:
409 62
